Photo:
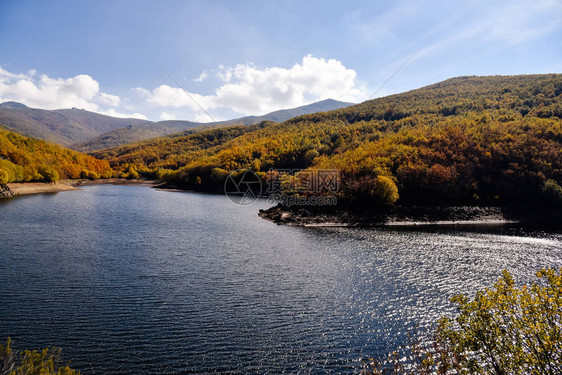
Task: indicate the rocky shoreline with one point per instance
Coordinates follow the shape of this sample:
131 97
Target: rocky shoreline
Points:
6 192
405 216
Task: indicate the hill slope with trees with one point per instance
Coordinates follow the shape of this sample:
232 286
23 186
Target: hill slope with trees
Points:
467 140
137 133
24 159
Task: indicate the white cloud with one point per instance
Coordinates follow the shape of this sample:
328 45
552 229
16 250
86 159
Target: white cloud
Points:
167 116
247 89
6 76
201 116
202 77
224 73
81 91
166 96
113 113
143 93
243 89
112 100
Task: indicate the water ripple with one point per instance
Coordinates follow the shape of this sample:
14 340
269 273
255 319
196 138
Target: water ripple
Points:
133 280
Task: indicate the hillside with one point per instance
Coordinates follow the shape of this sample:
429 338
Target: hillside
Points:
139 132
169 152
467 140
131 134
24 159
61 126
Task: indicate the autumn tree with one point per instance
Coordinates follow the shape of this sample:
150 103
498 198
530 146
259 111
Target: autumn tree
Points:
48 174
385 192
552 193
371 191
503 330
26 159
31 362
4 177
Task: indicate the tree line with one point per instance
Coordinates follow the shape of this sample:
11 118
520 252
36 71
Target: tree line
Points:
468 140
24 159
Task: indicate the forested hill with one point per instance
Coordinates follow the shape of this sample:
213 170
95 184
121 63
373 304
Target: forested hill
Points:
140 132
466 140
25 159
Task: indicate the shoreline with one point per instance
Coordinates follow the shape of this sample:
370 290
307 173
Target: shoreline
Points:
409 217
413 224
15 189
116 181
27 188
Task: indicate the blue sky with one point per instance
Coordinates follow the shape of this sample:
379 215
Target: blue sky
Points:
252 57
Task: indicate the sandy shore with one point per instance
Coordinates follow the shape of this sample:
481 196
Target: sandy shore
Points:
25 188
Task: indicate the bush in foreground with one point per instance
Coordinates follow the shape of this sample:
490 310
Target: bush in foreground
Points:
45 362
503 330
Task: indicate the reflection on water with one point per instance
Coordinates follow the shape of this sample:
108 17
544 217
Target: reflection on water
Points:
128 279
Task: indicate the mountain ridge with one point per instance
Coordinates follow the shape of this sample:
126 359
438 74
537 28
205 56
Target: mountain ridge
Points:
142 132
61 126
83 130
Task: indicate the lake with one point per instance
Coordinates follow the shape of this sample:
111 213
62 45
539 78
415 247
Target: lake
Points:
130 279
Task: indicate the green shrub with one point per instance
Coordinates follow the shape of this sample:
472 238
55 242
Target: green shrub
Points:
93 175
48 174
385 192
4 177
164 174
552 193
503 330
219 175
12 172
132 174
45 362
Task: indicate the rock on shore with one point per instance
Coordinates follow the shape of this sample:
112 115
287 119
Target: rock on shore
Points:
6 192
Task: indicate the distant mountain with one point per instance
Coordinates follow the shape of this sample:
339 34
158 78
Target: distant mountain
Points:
12 105
133 133
286 114
139 132
62 126
87 131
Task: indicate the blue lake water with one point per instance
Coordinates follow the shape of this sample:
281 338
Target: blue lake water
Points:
129 279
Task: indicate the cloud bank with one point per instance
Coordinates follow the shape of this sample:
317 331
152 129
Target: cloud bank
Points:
242 90
81 91
246 89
